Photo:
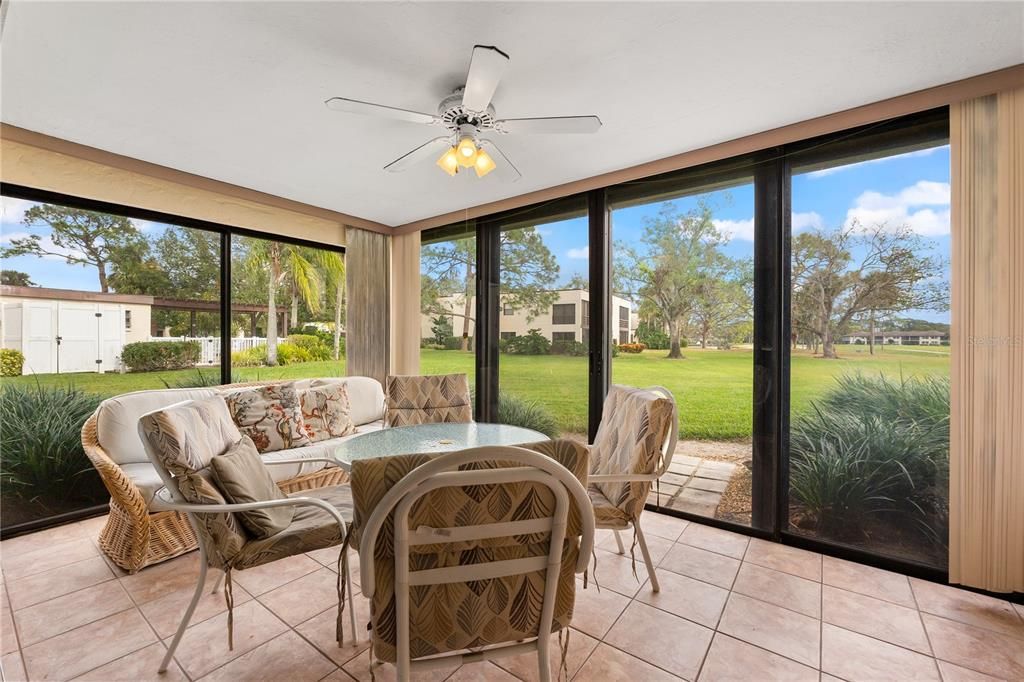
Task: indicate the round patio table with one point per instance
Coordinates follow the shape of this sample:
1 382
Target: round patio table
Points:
430 438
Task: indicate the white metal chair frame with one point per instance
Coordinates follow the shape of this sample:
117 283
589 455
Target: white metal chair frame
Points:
441 473
171 498
668 449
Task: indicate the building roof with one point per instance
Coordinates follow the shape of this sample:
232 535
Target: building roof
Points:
47 294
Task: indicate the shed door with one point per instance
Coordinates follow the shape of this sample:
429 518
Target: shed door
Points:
78 349
39 340
111 331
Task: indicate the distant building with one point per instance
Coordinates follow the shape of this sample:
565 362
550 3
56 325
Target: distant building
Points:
900 338
568 318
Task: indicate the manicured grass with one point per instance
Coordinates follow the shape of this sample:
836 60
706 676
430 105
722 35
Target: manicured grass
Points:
714 388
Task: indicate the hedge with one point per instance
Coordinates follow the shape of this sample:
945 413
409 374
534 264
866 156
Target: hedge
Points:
11 362
152 356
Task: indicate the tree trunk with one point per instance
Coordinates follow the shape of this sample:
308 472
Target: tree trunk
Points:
338 298
828 346
102 268
674 351
871 333
470 288
272 314
295 308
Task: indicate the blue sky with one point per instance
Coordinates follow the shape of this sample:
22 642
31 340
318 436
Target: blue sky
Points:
909 188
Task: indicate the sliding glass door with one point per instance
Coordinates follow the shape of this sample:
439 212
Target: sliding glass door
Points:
681 316
870 345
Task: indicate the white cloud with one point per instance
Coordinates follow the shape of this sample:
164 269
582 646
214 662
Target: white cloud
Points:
744 229
581 253
806 221
13 210
736 229
838 169
923 207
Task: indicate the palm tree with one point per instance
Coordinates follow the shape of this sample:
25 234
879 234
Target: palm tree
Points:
331 265
283 262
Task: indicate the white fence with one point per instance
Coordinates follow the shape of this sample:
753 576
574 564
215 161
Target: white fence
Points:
209 346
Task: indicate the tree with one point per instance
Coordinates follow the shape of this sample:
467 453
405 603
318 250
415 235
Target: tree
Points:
724 299
676 255
528 272
282 261
77 236
852 272
16 278
578 281
441 329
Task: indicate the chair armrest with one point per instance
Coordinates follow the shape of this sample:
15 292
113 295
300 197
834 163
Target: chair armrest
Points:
248 506
303 460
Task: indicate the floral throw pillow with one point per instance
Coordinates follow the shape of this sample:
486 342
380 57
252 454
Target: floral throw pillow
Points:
326 412
269 415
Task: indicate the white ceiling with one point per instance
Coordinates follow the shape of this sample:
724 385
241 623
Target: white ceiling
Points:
234 90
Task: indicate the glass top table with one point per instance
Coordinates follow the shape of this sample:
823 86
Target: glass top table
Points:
430 438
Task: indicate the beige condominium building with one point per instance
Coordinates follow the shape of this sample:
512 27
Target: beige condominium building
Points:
568 318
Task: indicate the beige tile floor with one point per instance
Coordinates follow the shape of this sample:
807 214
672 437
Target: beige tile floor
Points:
730 608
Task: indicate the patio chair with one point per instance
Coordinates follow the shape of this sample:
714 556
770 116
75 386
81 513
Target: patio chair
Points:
633 448
471 555
182 441
430 399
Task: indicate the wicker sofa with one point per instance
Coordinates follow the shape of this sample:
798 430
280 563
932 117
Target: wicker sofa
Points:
138 531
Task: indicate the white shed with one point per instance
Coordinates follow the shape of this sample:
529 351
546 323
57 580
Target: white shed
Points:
61 331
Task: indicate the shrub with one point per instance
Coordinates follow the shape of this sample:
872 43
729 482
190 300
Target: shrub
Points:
250 357
455 343
290 354
41 441
152 356
573 348
532 343
874 448
315 346
653 337
11 362
527 414
632 347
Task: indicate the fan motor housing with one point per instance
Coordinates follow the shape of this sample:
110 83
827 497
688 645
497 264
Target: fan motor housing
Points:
453 116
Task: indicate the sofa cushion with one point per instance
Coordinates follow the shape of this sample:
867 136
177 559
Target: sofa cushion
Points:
242 477
365 395
270 415
326 412
147 480
117 419
324 448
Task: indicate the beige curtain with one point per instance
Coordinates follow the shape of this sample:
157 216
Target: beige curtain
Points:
405 304
987 429
367 261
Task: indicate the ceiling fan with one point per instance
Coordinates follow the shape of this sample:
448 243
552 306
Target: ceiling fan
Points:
467 114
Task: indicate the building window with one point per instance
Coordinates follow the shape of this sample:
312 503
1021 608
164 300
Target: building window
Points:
624 319
585 310
127 320
507 310
624 336
563 313
508 335
563 336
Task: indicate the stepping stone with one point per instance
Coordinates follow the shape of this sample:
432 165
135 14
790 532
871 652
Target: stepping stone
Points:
708 484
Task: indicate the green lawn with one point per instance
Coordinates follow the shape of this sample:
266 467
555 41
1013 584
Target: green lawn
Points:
714 388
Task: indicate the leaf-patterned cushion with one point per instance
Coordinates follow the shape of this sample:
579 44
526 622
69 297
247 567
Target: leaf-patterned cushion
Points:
634 425
326 412
440 398
184 439
270 415
471 614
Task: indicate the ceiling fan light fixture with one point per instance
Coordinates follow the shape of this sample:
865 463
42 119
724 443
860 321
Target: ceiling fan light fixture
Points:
449 162
484 163
467 151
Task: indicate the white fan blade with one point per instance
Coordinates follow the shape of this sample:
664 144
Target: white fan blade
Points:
504 169
486 68
553 124
354 106
421 153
